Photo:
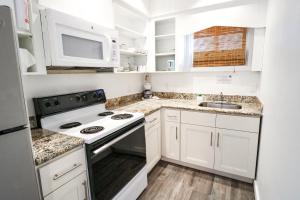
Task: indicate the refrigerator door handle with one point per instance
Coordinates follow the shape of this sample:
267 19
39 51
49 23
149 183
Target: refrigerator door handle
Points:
12 130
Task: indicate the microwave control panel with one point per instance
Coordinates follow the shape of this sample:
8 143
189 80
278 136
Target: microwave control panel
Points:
115 54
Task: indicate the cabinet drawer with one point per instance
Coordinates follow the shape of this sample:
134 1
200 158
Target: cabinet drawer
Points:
171 115
242 123
62 171
152 120
198 118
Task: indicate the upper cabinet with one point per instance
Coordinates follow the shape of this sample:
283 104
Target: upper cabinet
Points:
132 27
29 34
154 36
165 44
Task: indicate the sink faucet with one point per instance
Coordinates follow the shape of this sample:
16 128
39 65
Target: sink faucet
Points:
222 97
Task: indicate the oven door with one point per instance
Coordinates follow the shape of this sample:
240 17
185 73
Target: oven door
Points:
115 160
70 41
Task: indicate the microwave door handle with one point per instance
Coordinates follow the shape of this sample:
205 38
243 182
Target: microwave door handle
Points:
106 146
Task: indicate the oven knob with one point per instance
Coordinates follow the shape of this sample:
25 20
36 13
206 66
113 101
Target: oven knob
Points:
95 96
56 103
78 98
47 104
84 98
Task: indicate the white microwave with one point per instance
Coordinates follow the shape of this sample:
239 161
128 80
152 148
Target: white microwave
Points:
72 42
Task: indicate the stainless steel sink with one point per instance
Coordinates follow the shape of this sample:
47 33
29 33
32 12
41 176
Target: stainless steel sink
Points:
221 105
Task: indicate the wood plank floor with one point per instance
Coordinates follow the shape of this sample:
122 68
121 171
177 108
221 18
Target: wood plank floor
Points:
172 182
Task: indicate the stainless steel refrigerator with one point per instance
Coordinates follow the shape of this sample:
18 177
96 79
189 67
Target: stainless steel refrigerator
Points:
17 173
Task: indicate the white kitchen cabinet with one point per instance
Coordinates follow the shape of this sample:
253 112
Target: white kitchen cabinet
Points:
171 140
76 189
240 123
198 118
235 152
65 178
197 145
61 171
153 145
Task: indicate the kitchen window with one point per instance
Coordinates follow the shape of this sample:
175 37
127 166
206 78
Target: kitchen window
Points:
219 46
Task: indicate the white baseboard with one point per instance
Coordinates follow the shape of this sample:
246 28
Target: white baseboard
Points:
256 190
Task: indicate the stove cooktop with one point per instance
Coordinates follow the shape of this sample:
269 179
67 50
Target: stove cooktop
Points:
90 126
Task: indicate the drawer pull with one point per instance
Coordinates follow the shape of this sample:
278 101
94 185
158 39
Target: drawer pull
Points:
59 175
211 135
218 142
85 190
153 120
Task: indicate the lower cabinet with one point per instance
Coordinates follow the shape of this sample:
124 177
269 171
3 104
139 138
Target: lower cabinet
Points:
197 145
153 146
236 152
171 140
212 141
65 178
76 189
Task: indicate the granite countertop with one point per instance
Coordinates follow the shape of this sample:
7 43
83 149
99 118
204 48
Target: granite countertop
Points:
47 145
149 106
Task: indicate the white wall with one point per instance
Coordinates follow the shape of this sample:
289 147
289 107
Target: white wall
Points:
142 6
279 160
114 85
240 16
97 11
241 83
160 8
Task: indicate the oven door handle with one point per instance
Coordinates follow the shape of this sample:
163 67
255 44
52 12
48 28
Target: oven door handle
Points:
106 146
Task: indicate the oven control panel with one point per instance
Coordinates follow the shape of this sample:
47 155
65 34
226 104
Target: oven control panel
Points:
45 106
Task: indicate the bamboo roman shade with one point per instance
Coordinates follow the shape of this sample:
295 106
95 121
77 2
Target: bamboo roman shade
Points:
220 46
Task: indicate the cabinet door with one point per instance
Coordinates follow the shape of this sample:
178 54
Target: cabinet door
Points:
153 146
197 145
171 143
76 189
235 152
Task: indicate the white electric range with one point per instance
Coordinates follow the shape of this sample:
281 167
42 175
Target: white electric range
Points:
114 141
89 123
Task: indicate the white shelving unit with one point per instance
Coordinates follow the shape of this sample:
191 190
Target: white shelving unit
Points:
32 41
164 44
132 28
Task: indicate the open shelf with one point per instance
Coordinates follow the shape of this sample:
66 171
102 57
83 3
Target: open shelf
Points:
129 32
165 37
165 44
130 53
24 34
165 54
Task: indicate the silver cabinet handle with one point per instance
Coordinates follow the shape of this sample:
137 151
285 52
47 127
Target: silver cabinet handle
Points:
153 120
170 116
211 135
218 143
176 133
59 175
85 190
